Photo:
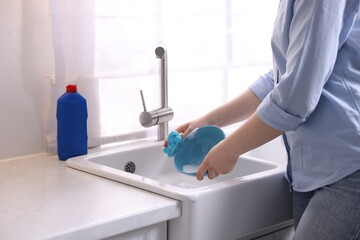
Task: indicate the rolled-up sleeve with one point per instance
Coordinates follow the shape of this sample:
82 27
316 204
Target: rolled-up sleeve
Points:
263 85
312 40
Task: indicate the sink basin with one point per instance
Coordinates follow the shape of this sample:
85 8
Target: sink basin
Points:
253 197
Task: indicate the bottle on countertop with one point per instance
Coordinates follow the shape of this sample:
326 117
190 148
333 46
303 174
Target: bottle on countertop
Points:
71 114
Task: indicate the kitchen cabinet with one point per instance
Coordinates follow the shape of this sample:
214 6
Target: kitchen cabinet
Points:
153 232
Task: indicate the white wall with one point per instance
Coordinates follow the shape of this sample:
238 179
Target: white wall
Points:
26 56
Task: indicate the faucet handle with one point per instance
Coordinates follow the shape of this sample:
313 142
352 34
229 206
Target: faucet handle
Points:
147 119
142 99
151 118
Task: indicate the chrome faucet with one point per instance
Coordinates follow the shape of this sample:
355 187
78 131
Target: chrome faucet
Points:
164 114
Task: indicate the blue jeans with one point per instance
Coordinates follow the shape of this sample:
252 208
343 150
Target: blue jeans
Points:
330 213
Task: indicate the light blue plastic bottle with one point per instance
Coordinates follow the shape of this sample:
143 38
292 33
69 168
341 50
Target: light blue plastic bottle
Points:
71 114
189 152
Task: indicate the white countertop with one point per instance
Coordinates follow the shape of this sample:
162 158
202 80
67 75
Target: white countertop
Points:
41 198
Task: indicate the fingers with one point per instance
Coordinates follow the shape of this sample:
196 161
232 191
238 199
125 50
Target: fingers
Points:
203 170
184 129
165 142
212 175
181 129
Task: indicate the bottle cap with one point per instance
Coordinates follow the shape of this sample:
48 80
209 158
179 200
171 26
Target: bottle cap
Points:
71 89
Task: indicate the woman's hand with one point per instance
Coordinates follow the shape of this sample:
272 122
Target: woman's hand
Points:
238 109
222 158
188 127
219 160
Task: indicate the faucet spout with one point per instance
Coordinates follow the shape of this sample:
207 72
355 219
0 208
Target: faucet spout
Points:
164 114
160 51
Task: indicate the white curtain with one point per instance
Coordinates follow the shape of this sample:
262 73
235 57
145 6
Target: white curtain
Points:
106 47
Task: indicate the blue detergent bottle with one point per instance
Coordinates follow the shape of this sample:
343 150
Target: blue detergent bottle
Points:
71 114
189 152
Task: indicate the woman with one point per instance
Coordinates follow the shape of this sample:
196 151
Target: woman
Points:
312 98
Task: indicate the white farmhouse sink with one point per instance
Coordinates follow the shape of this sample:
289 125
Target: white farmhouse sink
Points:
253 197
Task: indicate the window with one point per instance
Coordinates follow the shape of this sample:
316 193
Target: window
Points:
215 50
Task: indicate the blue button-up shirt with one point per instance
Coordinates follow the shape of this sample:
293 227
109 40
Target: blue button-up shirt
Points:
313 91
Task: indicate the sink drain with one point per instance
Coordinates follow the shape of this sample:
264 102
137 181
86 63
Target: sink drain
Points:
130 167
